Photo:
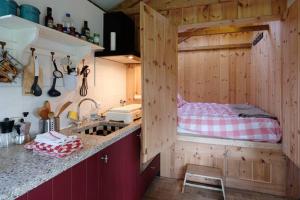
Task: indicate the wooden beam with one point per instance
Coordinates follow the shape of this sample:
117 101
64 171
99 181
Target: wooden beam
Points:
215 47
229 22
131 8
223 30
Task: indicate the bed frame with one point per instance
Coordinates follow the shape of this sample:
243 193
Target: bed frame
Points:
255 166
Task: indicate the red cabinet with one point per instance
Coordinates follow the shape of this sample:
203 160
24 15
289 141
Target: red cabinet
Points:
92 178
44 192
112 174
61 186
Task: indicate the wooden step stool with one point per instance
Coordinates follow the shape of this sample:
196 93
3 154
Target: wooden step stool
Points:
197 171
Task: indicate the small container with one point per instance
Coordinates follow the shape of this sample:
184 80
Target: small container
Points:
59 27
8 7
30 13
96 38
45 126
72 31
56 124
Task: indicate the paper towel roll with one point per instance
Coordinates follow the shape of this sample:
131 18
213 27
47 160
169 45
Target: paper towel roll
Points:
112 41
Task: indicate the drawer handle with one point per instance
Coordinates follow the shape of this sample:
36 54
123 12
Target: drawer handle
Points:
105 158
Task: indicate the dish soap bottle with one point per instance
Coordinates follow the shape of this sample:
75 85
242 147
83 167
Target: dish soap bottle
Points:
49 19
85 30
68 23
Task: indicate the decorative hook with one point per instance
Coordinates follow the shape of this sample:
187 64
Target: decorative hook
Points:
52 55
32 50
2 44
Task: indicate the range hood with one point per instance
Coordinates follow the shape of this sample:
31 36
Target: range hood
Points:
119 39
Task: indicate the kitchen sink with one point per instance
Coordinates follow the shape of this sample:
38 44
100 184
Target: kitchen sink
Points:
100 128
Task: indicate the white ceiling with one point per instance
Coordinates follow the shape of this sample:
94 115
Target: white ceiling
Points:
107 4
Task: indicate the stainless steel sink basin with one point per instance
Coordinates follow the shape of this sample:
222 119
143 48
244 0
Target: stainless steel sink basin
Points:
100 128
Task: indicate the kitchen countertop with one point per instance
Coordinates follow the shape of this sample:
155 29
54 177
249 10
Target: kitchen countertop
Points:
22 170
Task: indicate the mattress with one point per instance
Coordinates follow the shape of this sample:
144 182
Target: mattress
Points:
221 121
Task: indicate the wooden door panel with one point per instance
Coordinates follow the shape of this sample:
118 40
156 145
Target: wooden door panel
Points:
159 81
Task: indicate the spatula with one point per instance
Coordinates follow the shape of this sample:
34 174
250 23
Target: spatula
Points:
63 108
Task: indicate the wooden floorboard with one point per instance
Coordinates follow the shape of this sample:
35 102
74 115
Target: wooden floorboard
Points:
170 189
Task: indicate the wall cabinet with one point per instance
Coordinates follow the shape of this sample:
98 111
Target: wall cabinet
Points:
111 174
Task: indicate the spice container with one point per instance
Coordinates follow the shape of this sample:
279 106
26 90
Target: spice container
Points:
59 27
49 19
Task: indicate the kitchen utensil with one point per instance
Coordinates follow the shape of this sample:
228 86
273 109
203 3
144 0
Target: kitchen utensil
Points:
56 74
28 75
19 138
84 87
7 125
43 113
35 88
8 7
63 108
51 115
57 124
30 13
48 105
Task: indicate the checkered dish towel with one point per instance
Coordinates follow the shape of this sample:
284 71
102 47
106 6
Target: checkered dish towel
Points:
55 144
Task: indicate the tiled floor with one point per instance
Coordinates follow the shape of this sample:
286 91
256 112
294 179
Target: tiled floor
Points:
170 189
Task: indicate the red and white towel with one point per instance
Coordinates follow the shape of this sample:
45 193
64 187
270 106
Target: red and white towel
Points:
55 144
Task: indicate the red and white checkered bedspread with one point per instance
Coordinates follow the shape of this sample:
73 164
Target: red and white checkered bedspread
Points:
219 120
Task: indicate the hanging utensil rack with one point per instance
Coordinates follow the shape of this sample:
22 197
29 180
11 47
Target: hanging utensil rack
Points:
10 67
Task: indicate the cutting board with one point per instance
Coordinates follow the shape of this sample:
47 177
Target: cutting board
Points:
28 78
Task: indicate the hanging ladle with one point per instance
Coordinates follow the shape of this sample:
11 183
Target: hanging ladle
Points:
56 74
35 88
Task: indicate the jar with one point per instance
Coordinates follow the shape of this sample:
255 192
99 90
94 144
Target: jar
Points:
96 38
72 31
60 27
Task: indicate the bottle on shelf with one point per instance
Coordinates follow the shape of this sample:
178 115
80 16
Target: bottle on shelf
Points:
67 23
49 19
85 30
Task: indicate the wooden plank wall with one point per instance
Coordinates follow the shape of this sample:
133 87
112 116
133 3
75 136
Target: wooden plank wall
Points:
234 76
290 97
182 12
159 82
215 75
265 71
133 83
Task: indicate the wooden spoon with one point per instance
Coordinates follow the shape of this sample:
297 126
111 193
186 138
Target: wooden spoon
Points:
63 108
43 113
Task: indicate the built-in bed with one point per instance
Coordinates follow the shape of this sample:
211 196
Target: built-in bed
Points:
241 139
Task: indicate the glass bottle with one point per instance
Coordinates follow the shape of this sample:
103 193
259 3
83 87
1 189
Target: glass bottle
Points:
49 18
85 30
68 23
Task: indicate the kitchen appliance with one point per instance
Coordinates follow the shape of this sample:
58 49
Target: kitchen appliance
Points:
7 132
126 114
119 39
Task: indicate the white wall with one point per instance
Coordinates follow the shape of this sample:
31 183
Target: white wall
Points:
107 80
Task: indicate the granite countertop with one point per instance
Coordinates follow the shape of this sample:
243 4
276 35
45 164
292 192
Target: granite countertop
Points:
22 170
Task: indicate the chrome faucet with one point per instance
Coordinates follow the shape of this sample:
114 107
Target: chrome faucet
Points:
83 100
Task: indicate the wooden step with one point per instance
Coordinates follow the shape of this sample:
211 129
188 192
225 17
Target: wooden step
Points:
204 171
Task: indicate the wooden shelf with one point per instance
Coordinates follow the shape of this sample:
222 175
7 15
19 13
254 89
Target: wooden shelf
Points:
23 34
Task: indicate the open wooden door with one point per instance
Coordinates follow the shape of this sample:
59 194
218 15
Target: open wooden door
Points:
159 81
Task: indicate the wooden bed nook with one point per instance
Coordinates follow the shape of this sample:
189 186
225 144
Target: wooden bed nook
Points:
235 78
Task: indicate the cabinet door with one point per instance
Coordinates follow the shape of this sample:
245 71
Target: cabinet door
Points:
159 81
79 181
92 173
62 186
43 191
130 155
110 169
